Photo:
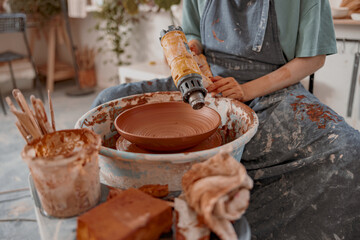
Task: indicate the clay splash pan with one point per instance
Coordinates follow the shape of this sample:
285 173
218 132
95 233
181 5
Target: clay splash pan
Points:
213 141
167 126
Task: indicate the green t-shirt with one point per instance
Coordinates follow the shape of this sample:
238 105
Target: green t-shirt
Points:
305 26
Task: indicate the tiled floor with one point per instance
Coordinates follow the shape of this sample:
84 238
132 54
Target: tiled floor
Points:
14 172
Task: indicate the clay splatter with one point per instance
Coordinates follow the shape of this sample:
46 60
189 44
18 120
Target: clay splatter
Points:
114 111
249 3
110 142
215 21
315 112
99 108
214 34
100 118
149 83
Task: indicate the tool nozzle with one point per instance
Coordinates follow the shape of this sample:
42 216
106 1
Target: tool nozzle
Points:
196 100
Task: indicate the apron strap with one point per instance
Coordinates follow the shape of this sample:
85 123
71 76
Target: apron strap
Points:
260 35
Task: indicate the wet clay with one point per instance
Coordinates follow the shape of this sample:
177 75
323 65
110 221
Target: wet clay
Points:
64 166
213 141
167 126
63 144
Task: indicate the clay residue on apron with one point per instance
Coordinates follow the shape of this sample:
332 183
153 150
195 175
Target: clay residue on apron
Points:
214 34
315 112
215 21
213 31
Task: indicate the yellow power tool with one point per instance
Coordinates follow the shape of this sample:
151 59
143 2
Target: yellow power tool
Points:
185 71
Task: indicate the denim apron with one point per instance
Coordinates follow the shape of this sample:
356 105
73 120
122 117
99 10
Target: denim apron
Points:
304 159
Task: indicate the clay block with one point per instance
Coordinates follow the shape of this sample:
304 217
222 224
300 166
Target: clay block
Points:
130 215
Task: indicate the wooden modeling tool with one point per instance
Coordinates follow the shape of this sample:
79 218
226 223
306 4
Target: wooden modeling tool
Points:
32 124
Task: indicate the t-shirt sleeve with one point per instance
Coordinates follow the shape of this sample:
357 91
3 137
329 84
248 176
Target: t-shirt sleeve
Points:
191 20
316 34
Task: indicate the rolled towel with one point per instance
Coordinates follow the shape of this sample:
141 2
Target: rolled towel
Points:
219 191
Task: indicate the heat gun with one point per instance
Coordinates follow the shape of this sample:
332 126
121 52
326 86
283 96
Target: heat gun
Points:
185 71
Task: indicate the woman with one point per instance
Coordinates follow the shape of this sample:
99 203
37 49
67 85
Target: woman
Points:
304 158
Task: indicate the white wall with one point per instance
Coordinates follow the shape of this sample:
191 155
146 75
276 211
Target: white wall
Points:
84 36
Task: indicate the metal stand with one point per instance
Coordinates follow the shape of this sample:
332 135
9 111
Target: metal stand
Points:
78 91
354 73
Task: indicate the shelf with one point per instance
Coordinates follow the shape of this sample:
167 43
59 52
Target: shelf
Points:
346 22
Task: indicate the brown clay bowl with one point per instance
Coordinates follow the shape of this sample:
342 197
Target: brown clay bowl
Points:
167 126
213 141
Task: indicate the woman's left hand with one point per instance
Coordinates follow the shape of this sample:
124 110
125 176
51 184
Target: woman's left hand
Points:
228 87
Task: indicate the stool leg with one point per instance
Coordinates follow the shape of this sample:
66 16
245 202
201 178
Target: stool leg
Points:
2 103
37 79
12 75
311 83
51 58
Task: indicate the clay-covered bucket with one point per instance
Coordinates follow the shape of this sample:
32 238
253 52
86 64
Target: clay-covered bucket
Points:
125 169
64 167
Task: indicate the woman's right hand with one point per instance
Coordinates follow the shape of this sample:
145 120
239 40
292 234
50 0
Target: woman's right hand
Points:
195 46
228 87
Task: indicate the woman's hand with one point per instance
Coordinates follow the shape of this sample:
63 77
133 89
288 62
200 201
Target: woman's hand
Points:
195 46
228 87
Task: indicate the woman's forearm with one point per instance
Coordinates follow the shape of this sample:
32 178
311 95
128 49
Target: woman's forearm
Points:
289 74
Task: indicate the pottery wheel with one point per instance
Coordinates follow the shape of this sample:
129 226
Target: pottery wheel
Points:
213 141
